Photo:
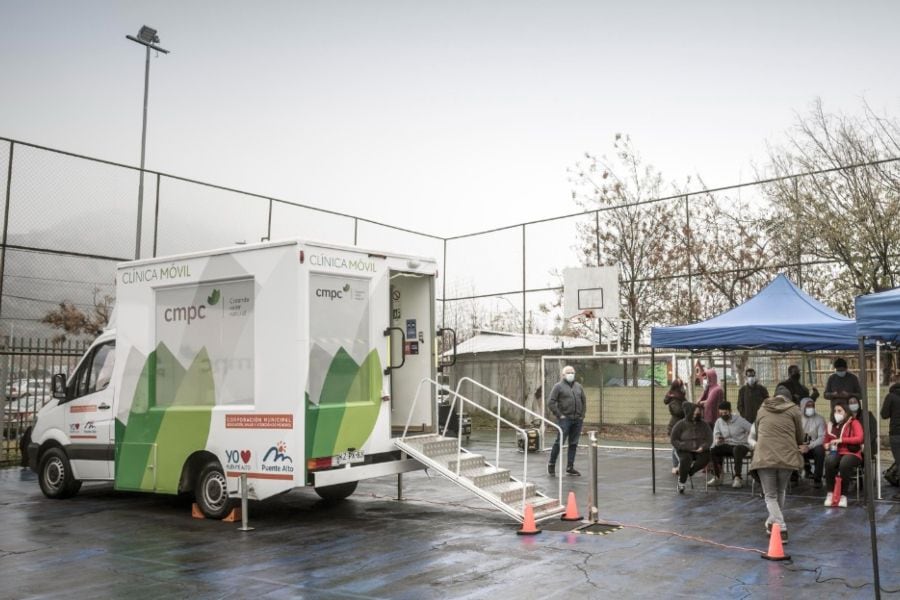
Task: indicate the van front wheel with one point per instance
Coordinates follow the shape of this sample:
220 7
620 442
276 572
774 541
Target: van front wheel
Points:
56 478
211 492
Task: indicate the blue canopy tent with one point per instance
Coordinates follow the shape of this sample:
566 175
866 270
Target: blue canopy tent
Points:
781 317
878 316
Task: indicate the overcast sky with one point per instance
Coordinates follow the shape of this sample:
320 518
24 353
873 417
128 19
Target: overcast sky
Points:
443 116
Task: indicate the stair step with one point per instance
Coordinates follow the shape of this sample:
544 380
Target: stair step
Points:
510 492
486 476
440 446
467 462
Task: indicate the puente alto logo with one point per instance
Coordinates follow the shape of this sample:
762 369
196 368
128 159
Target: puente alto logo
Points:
277 453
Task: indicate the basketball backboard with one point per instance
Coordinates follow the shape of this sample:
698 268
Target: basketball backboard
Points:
591 288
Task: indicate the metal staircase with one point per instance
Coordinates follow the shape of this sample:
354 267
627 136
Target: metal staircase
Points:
490 481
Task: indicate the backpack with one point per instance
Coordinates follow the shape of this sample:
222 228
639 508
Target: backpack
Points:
892 475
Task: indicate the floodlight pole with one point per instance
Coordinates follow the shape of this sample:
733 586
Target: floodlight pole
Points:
140 207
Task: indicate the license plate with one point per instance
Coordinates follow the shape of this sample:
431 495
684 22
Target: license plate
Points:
351 457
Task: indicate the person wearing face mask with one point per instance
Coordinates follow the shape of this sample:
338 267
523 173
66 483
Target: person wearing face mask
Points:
842 384
814 436
843 441
751 396
691 437
729 439
567 403
778 434
795 386
713 395
857 412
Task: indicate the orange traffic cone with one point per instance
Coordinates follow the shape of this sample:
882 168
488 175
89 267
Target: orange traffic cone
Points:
529 527
571 509
776 550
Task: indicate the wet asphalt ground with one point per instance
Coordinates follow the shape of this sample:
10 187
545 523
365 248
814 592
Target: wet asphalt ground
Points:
442 542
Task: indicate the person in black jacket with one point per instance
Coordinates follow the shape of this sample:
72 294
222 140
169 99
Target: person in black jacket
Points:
797 389
890 409
751 396
675 399
567 403
691 437
842 384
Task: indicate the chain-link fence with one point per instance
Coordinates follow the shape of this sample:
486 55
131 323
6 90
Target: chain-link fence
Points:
68 219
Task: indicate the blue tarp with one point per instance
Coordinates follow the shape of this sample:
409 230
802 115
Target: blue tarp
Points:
780 317
878 316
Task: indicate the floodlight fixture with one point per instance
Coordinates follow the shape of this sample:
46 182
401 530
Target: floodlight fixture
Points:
145 37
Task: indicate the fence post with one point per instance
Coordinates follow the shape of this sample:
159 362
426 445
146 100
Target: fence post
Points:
12 146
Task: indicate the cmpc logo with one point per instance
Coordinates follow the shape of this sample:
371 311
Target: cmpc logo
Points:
278 453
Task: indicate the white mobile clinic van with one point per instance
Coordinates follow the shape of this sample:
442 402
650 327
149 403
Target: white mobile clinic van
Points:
271 360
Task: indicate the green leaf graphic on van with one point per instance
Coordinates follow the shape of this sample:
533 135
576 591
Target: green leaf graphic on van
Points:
214 297
346 287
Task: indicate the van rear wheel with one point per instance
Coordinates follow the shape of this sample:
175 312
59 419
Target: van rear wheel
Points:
337 492
211 492
55 475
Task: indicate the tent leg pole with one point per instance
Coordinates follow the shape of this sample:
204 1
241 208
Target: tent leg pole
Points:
724 376
867 464
653 416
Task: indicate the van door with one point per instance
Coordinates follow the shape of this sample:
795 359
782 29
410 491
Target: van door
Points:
89 414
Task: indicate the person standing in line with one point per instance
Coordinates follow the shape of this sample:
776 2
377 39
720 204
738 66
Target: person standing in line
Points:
567 403
712 397
674 400
890 409
842 384
751 396
777 453
796 387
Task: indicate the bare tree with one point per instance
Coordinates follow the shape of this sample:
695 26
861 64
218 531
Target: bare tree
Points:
74 321
846 216
635 234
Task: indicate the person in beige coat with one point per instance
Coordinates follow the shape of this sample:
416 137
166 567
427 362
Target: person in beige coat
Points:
777 453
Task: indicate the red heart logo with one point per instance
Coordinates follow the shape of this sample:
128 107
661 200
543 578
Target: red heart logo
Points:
245 456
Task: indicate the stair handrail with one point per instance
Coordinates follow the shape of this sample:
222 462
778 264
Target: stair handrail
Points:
518 406
459 449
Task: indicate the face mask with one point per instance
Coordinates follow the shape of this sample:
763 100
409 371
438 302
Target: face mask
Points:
854 407
810 412
570 377
795 376
838 417
705 383
841 373
751 380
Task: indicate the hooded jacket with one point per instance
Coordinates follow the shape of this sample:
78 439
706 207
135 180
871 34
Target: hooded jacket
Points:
675 401
711 398
734 431
813 426
797 389
890 409
779 433
688 435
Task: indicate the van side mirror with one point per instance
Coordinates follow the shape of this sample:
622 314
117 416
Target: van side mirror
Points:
59 386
